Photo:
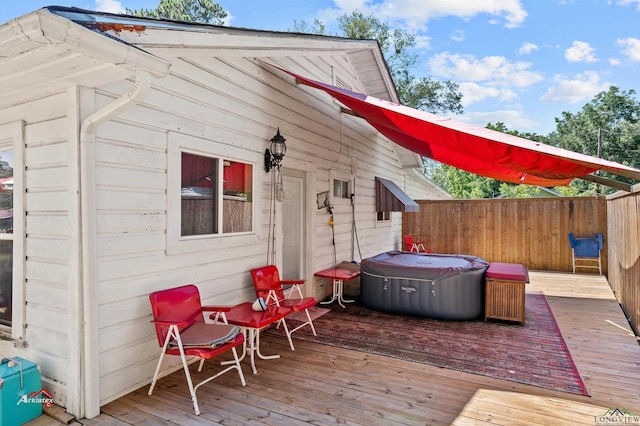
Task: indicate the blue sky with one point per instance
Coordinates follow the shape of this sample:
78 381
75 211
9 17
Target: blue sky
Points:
520 62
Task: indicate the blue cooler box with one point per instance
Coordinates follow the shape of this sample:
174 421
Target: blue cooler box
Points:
19 381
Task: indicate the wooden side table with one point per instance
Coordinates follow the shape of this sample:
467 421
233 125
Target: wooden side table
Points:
505 291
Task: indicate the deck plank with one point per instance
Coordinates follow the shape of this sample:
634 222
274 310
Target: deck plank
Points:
318 384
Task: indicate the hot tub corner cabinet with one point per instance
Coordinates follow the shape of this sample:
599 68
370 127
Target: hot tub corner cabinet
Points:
505 292
438 286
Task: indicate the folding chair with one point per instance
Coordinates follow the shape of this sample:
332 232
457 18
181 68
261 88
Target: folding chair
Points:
269 286
586 251
418 246
181 330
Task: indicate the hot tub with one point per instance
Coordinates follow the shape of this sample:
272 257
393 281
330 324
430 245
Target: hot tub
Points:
439 286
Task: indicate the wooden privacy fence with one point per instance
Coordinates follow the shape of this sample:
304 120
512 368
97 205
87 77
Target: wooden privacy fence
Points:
531 231
624 252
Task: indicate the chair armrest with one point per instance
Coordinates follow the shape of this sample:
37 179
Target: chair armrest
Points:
178 323
292 282
216 308
219 312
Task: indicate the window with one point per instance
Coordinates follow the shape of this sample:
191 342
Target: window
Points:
209 195
6 235
215 200
341 188
383 216
237 197
12 306
199 206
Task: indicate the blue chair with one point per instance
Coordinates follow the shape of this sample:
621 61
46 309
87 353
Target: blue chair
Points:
585 252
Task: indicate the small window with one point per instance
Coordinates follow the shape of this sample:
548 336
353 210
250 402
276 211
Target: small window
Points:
215 201
383 216
341 188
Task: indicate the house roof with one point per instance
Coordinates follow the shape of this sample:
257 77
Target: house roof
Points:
93 48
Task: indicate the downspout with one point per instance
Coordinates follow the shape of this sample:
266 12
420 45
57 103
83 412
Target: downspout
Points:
90 382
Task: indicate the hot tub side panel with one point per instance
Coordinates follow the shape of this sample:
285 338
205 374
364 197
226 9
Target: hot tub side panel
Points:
454 298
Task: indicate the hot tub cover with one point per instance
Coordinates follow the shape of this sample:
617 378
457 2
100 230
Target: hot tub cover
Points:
423 266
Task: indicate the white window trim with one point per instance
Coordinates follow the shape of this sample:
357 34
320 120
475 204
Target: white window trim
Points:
344 177
14 140
379 221
176 243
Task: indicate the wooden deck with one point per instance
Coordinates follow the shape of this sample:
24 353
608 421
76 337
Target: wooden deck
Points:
320 384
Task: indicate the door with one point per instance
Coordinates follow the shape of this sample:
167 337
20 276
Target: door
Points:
293 225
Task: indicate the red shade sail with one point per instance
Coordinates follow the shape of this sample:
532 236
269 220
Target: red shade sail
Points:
472 148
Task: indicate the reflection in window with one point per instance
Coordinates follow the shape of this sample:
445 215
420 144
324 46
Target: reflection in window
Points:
6 235
341 188
199 215
202 184
237 200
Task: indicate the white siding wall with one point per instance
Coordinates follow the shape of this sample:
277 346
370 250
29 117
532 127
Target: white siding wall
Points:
236 104
50 247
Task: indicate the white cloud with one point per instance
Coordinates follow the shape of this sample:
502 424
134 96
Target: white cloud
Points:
583 86
418 12
109 6
630 47
474 92
458 35
580 52
513 119
497 71
627 2
527 48
228 20
423 42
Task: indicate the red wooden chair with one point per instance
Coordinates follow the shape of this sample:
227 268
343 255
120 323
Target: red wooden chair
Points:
269 286
418 246
181 330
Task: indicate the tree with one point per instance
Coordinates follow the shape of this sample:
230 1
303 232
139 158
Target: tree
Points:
422 93
459 183
200 11
317 27
608 126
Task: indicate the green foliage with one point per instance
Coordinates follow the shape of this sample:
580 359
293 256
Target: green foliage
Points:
396 45
611 120
422 93
200 11
459 183
317 27
429 95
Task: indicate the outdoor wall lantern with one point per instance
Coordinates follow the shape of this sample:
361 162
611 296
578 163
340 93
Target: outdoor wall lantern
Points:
273 156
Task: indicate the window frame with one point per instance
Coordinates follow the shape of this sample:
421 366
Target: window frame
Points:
384 219
14 140
176 243
344 177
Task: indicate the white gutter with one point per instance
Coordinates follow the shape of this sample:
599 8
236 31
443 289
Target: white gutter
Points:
42 27
89 289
